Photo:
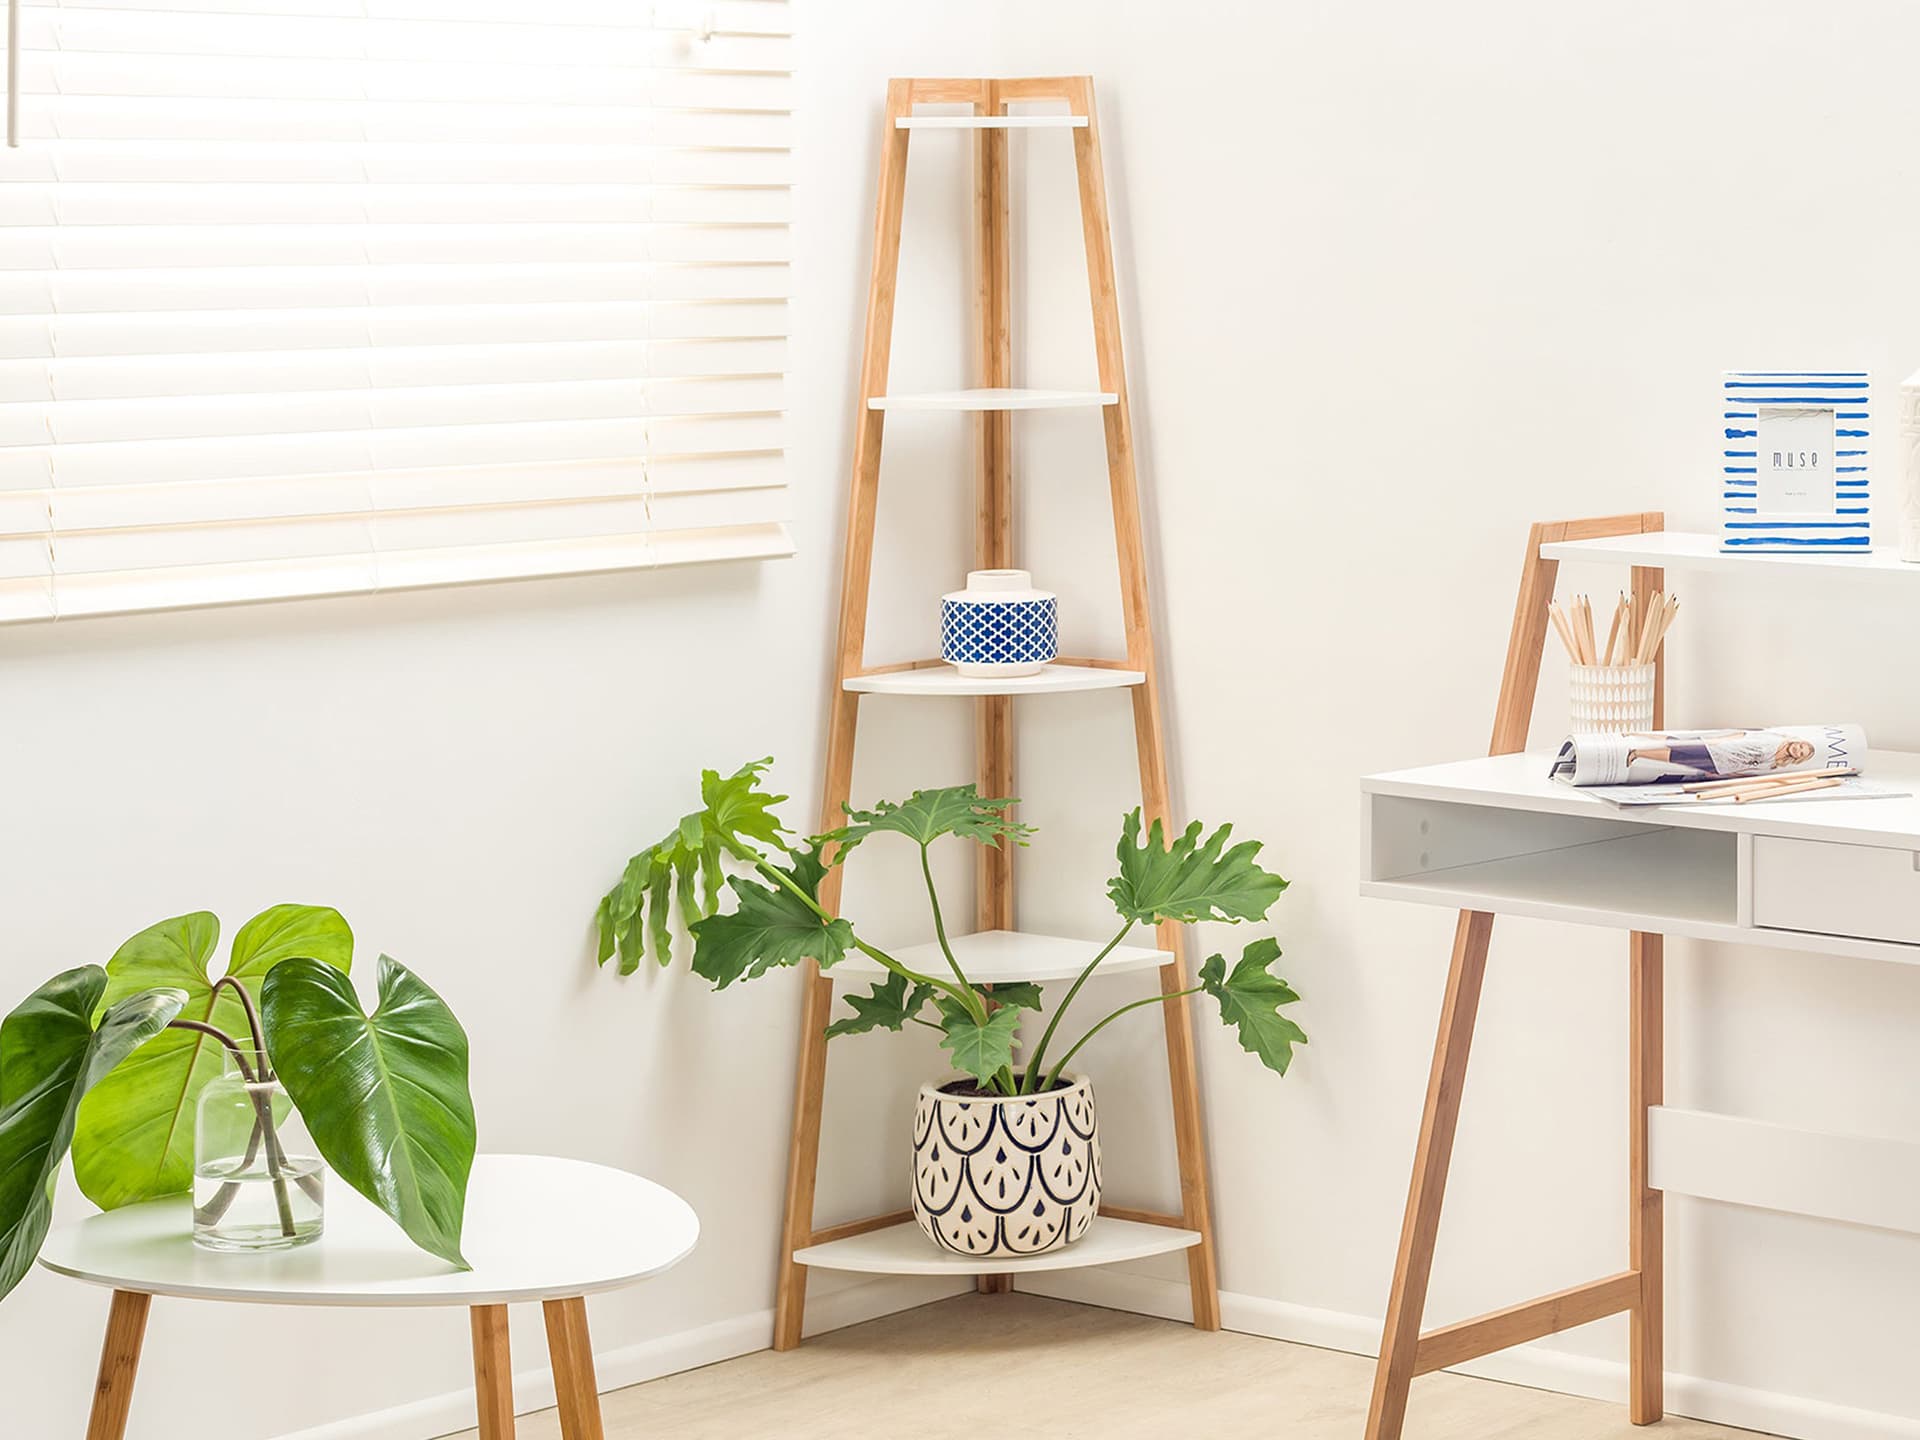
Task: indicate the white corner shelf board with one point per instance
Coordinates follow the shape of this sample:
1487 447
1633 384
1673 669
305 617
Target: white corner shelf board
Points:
1832 877
996 397
945 680
1685 550
904 1250
991 957
990 122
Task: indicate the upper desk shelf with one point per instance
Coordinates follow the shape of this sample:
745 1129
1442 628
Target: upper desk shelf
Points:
996 398
991 122
1681 550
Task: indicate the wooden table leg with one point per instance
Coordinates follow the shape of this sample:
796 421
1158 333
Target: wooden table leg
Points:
119 1360
1400 1343
492 1372
573 1383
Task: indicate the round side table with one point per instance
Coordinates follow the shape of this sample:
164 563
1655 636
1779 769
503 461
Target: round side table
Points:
537 1228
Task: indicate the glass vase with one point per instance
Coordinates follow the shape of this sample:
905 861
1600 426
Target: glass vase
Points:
258 1181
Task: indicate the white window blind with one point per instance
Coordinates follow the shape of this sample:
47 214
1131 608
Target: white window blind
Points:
305 297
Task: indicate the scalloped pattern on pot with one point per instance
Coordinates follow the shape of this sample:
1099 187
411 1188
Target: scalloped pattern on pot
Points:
1006 1177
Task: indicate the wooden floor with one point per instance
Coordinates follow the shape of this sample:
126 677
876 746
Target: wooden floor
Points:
946 1371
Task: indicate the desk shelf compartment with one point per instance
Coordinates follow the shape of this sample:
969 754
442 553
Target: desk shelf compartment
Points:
1591 870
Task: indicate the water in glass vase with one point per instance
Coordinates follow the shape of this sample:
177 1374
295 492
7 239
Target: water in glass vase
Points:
241 1206
257 1182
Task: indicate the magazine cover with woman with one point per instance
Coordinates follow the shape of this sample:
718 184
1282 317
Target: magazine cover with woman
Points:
1680 756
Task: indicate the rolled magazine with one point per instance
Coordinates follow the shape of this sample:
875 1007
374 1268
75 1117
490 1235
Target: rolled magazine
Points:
1681 757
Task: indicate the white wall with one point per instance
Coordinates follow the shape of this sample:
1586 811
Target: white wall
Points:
1398 280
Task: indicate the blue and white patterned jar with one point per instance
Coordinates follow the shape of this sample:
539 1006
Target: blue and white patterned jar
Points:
999 626
1005 1175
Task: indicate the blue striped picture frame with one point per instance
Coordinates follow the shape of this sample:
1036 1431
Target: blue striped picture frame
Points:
1794 476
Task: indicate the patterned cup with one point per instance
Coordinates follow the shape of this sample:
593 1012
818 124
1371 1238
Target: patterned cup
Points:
1003 1175
999 626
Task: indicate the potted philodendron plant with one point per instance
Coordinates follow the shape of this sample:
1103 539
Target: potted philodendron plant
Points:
1006 1154
164 1081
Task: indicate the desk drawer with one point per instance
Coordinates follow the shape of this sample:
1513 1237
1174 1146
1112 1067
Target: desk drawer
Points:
1869 892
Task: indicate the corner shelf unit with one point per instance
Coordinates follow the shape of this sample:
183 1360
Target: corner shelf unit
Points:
1496 835
935 677
992 957
902 1250
997 951
997 397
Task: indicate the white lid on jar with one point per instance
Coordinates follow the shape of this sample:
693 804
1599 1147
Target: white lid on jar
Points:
998 587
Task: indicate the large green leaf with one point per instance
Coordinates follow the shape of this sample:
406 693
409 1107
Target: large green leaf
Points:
384 1095
135 1137
926 815
889 1005
685 866
981 1051
1250 1000
772 926
1189 881
50 1056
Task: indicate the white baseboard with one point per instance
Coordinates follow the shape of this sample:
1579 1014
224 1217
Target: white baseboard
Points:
648 1360
1535 1366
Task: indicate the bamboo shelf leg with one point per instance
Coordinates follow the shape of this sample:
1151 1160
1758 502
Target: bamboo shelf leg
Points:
1150 740
1400 1345
993 508
803 1154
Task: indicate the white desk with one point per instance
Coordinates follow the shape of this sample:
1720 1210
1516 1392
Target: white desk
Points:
1497 836
537 1228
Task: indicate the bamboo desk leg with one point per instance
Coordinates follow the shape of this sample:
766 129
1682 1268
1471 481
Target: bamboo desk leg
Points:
1404 1351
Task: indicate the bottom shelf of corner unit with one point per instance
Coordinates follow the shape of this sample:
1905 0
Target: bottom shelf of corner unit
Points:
904 1250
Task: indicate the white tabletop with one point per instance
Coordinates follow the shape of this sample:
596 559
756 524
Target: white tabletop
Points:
1524 782
537 1228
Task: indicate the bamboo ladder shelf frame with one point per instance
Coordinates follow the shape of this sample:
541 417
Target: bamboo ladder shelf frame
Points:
993 549
1405 1352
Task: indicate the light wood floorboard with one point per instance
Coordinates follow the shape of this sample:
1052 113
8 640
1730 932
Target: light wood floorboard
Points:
943 1371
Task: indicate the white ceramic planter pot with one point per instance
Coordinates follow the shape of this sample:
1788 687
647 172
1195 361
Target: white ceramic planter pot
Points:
1008 1175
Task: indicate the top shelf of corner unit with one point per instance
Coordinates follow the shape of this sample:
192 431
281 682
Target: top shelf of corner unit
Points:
995 398
991 122
1683 550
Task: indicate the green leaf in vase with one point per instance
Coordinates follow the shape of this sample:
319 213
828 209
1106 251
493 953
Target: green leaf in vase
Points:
384 1095
51 1055
135 1136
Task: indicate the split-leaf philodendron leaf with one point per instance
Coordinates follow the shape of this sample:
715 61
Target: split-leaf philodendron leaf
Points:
889 1005
1189 881
772 926
926 815
384 1095
735 814
1250 999
135 1136
51 1055
980 1050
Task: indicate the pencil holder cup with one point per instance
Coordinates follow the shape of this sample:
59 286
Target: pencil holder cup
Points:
1611 699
